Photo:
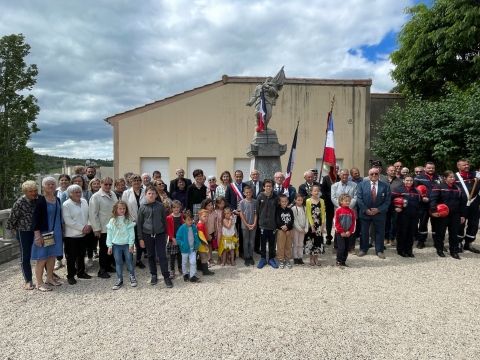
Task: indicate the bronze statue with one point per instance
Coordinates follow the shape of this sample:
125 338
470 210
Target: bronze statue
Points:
264 98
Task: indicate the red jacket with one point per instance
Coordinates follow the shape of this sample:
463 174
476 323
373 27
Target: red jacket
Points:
345 220
171 226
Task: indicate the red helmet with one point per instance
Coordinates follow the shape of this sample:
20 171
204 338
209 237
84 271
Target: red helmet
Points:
422 189
398 202
442 210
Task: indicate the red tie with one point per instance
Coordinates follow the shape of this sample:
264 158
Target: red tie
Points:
374 193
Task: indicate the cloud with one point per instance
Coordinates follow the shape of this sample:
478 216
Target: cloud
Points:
98 58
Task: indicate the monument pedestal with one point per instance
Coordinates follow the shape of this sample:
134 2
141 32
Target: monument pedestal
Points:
265 152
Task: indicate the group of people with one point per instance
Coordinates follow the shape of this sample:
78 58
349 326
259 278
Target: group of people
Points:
181 226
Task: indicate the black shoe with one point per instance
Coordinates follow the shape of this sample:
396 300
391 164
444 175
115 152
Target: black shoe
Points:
71 281
300 262
454 255
420 245
103 274
205 271
410 254
469 247
402 254
328 242
186 277
140 264
440 253
370 245
194 279
110 269
84 276
153 280
168 283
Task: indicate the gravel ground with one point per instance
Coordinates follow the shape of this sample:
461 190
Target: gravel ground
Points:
398 308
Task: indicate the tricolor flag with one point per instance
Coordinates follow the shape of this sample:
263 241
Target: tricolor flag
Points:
329 150
262 113
291 161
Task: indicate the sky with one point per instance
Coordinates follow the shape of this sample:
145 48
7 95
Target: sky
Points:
97 58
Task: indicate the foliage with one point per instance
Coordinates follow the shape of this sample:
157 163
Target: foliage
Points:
18 111
442 130
47 164
438 46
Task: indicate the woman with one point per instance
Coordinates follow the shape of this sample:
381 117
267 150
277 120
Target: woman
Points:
99 213
47 226
119 187
20 222
92 241
75 218
180 192
225 180
64 182
212 186
134 197
163 195
93 186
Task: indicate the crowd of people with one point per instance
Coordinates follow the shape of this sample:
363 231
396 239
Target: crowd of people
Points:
183 226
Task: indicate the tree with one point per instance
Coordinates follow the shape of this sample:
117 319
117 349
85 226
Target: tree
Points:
439 45
441 130
18 111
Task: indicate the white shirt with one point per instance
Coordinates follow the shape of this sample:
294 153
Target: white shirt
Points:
75 217
100 210
340 188
376 186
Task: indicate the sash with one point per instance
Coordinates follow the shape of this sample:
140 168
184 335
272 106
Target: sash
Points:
469 195
236 191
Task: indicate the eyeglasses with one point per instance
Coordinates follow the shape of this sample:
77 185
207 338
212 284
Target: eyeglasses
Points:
373 173
107 184
212 180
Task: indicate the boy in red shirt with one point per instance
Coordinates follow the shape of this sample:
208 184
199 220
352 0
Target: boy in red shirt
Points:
344 228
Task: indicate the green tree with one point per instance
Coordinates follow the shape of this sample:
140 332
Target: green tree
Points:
439 45
441 130
18 111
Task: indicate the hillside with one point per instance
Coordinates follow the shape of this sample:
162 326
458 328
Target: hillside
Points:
45 164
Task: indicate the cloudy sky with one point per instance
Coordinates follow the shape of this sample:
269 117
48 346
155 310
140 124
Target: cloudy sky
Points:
97 58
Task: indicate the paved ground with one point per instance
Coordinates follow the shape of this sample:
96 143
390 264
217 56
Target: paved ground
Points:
422 308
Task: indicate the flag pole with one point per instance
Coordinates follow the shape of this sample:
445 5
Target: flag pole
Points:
328 119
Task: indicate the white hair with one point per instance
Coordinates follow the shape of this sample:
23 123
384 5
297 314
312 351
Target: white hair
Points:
73 188
48 179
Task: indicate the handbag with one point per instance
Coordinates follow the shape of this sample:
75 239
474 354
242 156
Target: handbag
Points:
48 237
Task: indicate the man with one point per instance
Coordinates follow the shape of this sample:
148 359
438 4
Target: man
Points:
156 175
278 189
173 183
468 182
90 172
398 169
429 179
378 165
315 175
146 180
233 195
419 170
355 175
306 188
391 221
373 198
257 187
326 189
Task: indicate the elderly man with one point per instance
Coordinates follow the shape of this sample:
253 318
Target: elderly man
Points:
355 175
173 183
305 189
373 198
146 180
398 168
344 186
278 188
255 183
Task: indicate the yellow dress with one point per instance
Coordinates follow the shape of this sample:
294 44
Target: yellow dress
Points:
229 240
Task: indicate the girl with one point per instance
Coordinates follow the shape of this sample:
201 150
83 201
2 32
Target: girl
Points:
207 204
203 248
229 240
220 205
120 241
315 209
300 228
174 221
188 243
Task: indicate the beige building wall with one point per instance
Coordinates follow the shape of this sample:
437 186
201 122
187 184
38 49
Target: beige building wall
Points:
214 122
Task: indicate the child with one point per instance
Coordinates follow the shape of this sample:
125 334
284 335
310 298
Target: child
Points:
120 241
284 222
300 227
151 228
315 209
220 204
267 204
248 214
174 221
188 243
229 240
344 228
203 248
207 204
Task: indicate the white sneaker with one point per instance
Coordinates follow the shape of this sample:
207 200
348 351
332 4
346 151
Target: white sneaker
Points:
281 264
58 264
288 264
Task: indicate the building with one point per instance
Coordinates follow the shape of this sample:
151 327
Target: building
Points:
210 127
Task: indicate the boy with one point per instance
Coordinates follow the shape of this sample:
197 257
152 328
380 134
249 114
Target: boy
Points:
248 214
151 227
188 242
174 221
284 221
203 248
267 204
344 228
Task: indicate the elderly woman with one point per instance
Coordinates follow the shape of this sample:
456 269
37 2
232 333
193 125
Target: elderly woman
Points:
20 222
75 218
100 210
47 226
225 180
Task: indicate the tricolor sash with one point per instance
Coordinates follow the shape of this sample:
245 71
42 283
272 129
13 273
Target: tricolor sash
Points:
469 195
236 191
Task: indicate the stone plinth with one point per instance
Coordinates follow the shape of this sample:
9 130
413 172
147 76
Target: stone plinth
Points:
265 152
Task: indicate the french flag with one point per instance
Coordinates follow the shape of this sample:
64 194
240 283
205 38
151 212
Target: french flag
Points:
262 113
329 150
291 161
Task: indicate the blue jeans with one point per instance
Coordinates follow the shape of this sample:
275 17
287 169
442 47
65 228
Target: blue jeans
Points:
118 251
25 239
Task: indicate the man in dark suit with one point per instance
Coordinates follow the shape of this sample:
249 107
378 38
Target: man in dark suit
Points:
173 183
305 189
257 187
373 199
233 195
278 188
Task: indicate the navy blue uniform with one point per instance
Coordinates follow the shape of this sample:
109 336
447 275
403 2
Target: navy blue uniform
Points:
429 183
472 213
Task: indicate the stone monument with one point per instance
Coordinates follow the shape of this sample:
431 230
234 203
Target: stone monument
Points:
265 150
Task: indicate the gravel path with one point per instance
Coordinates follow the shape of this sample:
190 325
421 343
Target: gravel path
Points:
422 308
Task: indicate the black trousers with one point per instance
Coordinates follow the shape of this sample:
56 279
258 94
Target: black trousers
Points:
468 230
156 246
105 261
329 213
178 258
406 229
452 222
139 250
238 226
423 225
256 246
91 242
75 254
343 245
267 236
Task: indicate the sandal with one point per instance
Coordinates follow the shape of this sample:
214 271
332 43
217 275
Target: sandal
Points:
56 277
43 288
53 283
28 286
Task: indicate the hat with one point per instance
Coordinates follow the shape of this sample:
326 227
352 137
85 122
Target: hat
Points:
376 163
315 171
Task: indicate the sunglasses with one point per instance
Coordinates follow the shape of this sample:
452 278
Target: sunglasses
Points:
107 184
